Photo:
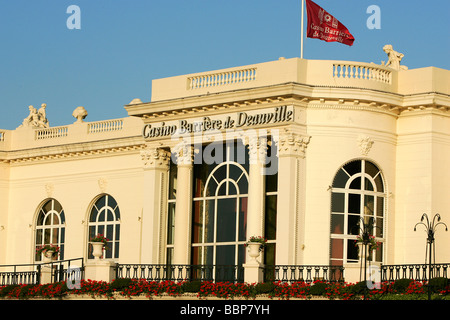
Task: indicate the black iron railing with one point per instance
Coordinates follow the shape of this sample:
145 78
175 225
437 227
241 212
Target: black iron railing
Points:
19 274
162 272
59 270
303 273
417 272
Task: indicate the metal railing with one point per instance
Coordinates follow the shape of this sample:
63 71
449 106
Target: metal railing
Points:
303 273
417 272
163 272
59 270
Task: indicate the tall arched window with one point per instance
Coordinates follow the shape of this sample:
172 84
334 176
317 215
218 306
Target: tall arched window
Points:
104 218
358 194
220 207
50 226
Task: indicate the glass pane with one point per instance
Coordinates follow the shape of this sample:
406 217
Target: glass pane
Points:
170 223
55 236
337 223
173 180
269 254
196 256
231 189
368 185
101 229
221 173
222 189
55 219
337 202
101 216
379 228
209 255
356 184
91 232
369 205
197 215
352 251
101 202
352 224
40 219
209 220
117 232
39 236
340 179
354 203
371 169
243 219
110 215
47 238
112 202
211 189
380 206
225 255
226 220
62 216
116 250
48 220
337 248
270 220
235 172
243 185
379 183
47 207
56 206
93 216
353 167
109 232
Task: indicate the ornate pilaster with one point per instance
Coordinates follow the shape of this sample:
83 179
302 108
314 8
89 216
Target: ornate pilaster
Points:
291 196
156 165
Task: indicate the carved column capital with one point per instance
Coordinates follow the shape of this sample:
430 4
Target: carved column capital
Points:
155 158
183 153
293 144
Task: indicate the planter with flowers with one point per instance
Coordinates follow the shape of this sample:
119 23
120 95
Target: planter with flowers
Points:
48 251
98 243
255 245
366 241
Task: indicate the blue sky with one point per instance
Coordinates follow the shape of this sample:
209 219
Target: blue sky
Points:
123 45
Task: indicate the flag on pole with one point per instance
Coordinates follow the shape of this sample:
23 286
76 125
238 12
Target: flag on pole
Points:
323 26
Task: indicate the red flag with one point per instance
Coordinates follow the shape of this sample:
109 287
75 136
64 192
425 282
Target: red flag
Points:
323 26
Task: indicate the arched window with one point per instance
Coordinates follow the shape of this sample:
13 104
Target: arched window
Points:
220 207
358 195
104 218
50 226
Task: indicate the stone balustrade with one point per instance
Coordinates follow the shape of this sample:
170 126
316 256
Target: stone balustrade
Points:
50 133
222 78
105 126
361 72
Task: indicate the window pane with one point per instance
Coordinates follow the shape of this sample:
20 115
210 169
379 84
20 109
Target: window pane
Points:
197 226
340 180
101 216
337 223
243 219
337 248
379 183
225 255
117 232
368 185
172 180
209 220
352 250
337 202
110 215
352 224
380 207
270 220
171 223
356 184
353 167
371 169
369 205
354 203
226 220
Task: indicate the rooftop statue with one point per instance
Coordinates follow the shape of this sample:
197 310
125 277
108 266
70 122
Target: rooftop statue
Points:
36 118
394 58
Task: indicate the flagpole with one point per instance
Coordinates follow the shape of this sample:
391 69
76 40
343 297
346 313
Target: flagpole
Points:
301 40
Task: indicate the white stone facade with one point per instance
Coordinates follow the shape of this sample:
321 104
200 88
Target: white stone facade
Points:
320 115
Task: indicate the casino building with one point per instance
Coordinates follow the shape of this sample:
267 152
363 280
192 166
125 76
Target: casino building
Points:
297 151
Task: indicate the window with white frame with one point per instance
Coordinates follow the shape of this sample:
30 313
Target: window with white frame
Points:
50 227
104 219
357 196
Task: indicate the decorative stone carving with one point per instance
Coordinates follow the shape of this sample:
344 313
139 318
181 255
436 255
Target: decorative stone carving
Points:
102 184
49 188
365 144
394 58
155 158
183 153
36 118
80 114
257 148
293 144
